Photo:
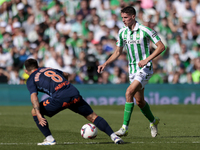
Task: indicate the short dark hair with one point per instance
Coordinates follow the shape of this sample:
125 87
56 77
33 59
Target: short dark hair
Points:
129 10
31 64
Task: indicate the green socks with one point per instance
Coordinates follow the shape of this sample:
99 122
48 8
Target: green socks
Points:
127 112
147 112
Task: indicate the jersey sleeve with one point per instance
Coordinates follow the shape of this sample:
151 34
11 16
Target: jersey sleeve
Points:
31 86
152 35
120 42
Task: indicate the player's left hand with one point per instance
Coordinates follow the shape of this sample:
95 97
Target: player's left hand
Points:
42 121
142 63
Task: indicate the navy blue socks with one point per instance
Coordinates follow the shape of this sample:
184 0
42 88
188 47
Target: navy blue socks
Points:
103 125
45 130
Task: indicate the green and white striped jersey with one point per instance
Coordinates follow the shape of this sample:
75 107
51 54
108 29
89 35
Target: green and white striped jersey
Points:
136 43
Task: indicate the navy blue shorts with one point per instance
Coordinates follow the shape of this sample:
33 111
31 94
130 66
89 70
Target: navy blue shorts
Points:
51 106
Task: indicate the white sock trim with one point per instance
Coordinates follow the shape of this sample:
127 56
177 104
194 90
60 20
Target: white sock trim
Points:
50 138
130 102
125 126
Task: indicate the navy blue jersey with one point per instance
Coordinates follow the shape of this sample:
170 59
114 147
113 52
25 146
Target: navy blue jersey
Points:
50 81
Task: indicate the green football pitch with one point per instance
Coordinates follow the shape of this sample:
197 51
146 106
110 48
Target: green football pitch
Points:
179 129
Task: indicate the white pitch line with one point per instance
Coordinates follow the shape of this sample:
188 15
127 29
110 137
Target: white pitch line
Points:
17 143
75 143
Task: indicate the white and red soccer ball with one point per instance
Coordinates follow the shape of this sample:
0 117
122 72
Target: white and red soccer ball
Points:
89 131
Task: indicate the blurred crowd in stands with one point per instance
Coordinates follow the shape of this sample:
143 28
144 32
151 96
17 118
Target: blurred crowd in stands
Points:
76 36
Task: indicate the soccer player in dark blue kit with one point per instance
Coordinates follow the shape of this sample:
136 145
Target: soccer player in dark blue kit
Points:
63 95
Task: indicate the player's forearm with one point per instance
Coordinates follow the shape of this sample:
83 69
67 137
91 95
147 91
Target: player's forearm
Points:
160 48
114 56
35 103
36 106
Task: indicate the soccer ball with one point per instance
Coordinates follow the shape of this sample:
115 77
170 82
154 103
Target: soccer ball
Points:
89 131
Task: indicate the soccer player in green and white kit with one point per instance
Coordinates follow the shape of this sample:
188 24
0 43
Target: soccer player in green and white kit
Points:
136 37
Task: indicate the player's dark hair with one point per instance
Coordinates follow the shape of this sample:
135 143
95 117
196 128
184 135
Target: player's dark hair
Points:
129 10
31 64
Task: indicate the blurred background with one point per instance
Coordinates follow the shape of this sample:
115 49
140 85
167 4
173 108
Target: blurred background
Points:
76 36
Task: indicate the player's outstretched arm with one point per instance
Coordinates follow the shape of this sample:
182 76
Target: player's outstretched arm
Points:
113 57
160 48
36 107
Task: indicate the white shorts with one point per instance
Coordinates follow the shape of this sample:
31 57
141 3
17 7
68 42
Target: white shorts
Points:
142 76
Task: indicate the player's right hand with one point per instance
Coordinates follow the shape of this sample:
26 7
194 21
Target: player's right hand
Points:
101 68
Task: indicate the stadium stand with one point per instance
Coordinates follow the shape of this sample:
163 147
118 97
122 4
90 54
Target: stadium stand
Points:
77 35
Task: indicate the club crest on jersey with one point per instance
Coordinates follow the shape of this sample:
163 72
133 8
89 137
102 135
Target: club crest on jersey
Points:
137 35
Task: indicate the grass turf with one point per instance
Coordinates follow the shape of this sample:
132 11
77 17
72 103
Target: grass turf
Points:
179 129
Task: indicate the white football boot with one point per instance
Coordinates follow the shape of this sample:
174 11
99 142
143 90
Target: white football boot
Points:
118 140
47 142
153 127
122 132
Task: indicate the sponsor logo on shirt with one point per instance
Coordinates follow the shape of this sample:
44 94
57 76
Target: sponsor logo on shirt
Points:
132 41
59 86
74 101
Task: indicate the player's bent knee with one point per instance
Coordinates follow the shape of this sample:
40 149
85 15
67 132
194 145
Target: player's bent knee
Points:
129 92
129 96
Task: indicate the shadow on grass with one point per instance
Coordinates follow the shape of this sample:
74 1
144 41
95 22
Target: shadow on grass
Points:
163 137
179 136
80 143
135 138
